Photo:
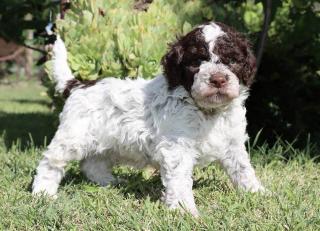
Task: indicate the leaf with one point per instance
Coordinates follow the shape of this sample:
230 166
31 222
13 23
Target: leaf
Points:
186 27
274 6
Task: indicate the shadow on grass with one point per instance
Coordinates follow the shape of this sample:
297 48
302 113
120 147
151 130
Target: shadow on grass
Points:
27 129
32 101
74 177
135 184
29 101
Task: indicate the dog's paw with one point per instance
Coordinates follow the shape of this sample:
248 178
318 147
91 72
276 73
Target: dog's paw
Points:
259 189
37 193
193 211
182 206
264 191
183 209
40 188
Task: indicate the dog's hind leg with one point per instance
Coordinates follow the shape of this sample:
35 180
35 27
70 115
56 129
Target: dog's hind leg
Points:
51 168
98 169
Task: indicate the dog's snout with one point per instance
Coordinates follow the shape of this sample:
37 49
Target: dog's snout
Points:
218 80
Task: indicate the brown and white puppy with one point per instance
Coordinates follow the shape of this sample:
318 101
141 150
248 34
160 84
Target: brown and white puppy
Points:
191 115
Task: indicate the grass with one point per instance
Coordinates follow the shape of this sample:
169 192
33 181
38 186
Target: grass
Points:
81 205
24 110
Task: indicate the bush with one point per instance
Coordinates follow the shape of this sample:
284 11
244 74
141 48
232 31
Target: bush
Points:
111 38
285 98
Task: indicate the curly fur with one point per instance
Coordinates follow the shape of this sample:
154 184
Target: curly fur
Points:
173 122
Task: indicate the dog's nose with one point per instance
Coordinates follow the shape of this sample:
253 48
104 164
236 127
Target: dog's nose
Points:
218 80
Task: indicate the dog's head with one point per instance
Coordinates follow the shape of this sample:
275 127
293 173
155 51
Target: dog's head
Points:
213 62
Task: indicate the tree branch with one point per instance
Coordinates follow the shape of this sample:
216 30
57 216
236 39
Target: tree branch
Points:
35 49
12 56
64 6
264 32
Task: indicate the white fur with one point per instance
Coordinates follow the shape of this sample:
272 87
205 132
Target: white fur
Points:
61 71
140 122
211 32
207 96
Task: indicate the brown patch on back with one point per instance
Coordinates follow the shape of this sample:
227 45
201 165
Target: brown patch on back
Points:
73 83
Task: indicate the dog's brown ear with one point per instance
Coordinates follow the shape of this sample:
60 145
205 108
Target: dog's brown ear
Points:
171 63
250 67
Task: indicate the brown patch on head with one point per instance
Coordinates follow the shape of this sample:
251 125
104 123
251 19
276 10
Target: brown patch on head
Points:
234 50
73 83
182 61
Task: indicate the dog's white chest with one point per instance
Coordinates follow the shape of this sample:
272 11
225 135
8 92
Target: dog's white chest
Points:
219 133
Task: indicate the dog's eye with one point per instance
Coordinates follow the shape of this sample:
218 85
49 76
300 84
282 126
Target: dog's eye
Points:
218 61
196 62
232 61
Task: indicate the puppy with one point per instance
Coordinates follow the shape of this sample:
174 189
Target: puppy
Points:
190 115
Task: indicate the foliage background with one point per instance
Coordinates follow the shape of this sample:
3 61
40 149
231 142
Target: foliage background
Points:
115 38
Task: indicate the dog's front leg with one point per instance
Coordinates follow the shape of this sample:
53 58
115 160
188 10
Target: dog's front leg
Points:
176 175
237 164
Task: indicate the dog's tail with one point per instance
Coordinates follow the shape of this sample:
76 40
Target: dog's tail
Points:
62 74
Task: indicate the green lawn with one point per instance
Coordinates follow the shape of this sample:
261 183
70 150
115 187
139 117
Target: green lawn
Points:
81 205
24 111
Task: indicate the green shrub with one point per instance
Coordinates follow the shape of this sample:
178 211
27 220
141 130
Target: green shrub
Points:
285 98
111 38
